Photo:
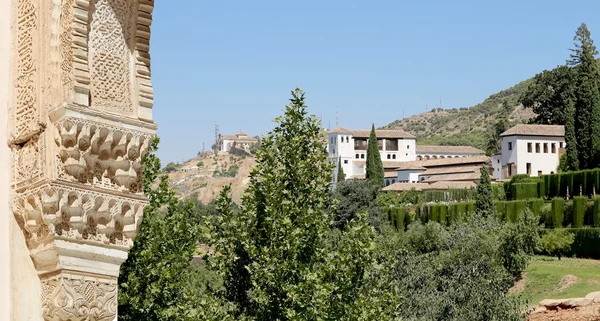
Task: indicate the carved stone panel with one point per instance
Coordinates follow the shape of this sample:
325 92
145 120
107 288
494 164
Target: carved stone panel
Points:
110 47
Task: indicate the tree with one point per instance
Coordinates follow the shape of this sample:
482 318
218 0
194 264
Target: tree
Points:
587 98
374 168
548 94
557 241
150 280
572 154
354 196
340 172
484 201
494 144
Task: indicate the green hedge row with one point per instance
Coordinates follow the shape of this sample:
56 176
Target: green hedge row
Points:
587 243
578 183
557 214
509 211
456 194
579 209
397 217
523 191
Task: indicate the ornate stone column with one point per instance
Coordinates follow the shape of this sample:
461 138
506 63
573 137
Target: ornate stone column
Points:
81 123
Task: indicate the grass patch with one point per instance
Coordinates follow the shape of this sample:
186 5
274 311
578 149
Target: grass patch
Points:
549 278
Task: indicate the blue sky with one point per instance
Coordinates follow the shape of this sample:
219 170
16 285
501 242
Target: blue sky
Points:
235 62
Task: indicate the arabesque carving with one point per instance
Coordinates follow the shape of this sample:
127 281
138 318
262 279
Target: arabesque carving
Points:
110 55
101 155
78 214
68 296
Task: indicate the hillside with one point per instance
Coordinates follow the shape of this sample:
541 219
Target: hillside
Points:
207 175
464 126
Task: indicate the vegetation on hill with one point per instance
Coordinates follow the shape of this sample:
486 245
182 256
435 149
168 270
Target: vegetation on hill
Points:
466 126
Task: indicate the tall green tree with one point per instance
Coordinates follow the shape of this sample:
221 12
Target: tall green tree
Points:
587 98
374 168
494 144
572 154
484 201
548 94
340 171
151 280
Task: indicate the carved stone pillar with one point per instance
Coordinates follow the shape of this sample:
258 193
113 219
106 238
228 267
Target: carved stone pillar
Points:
81 123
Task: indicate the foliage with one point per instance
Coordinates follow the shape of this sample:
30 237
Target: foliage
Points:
596 212
388 199
254 148
484 203
200 164
558 208
171 167
340 171
374 168
518 241
579 209
232 171
425 238
585 243
548 94
557 241
354 196
152 277
523 191
502 124
563 164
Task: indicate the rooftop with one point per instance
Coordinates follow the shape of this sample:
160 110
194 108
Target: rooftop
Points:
471 176
536 130
380 133
449 149
444 162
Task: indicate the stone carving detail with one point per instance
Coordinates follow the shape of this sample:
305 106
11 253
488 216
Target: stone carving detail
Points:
28 162
55 210
142 39
100 155
25 113
66 50
110 55
75 297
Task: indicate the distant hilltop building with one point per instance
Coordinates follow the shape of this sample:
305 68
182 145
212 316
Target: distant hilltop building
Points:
529 149
239 140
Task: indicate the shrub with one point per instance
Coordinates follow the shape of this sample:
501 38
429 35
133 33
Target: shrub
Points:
590 182
400 218
443 214
554 188
558 207
541 189
200 164
501 211
434 213
557 241
585 244
579 209
535 205
470 207
547 181
596 212
566 183
498 192
523 191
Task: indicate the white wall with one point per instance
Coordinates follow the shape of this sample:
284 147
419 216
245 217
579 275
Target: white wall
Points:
544 162
497 165
411 176
407 149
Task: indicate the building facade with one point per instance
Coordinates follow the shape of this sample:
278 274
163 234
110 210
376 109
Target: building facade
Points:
76 110
426 152
529 149
350 147
239 140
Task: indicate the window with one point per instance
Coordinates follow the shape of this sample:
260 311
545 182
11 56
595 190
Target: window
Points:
545 148
539 173
360 144
387 183
560 145
391 144
553 148
357 157
393 181
509 145
537 148
407 146
380 144
528 165
498 161
529 147
389 156
362 156
394 156
345 161
347 139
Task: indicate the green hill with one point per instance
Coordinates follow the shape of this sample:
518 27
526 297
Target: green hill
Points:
465 125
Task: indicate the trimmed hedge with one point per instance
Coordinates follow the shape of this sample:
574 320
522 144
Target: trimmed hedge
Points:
535 205
514 209
470 207
586 244
596 212
443 214
400 218
434 212
523 191
558 208
501 211
579 209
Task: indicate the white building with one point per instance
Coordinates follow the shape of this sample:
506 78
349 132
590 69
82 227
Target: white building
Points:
529 149
425 152
239 140
350 146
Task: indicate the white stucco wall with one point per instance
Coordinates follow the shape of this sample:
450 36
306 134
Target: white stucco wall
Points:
544 162
5 214
407 149
20 289
497 165
410 176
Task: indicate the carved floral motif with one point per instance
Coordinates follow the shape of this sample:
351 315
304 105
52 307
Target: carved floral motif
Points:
75 297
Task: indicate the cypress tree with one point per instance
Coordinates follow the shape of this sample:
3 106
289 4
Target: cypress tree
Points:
374 170
570 139
587 98
340 172
484 203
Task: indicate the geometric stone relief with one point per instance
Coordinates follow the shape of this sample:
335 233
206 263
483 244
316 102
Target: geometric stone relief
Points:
110 47
58 211
28 162
25 115
100 155
75 297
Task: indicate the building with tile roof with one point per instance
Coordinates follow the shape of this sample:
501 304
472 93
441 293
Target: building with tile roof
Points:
239 140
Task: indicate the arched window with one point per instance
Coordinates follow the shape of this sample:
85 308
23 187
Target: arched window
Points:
347 139
387 183
357 157
394 156
393 181
389 156
419 157
362 156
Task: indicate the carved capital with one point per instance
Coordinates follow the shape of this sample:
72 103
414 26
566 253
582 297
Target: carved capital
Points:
78 297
